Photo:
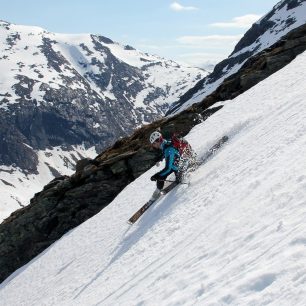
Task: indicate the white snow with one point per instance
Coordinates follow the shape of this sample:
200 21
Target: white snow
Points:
235 236
17 188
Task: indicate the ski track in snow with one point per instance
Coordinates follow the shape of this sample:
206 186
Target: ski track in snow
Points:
235 236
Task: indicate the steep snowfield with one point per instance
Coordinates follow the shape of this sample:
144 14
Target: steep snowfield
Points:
17 187
235 236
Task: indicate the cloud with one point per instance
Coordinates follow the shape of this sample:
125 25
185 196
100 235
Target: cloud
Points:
148 46
175 6
238 22
210 41
202 59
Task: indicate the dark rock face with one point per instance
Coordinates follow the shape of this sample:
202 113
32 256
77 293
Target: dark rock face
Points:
33 128
55 60
292 4
22 155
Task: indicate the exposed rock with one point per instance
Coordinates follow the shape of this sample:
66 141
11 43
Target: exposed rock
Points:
83 163
22 154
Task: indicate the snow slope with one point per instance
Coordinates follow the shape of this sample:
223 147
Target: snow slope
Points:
235 236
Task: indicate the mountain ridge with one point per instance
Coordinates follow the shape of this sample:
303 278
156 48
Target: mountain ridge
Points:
283 18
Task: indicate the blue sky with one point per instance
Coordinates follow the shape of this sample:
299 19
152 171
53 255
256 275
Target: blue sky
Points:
189 31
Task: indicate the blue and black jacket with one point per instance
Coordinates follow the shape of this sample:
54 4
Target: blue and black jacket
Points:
171 156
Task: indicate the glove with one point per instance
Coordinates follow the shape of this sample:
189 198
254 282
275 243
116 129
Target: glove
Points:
154 177
157 164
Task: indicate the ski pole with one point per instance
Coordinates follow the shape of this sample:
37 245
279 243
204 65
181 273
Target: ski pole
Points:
172 181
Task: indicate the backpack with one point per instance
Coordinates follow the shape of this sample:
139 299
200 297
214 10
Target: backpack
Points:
182 145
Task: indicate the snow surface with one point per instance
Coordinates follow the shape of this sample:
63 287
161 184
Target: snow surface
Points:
235 236
17 188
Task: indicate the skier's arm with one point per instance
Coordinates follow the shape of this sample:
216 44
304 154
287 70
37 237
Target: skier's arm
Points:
170 158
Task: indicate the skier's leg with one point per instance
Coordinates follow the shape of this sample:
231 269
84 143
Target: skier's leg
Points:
178 176
162 178
157 191
160 183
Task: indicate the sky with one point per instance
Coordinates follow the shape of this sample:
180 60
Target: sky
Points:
193 32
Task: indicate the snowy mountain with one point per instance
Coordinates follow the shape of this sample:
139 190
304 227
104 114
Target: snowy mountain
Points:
68 201
62 92
17 186
286 16
235 236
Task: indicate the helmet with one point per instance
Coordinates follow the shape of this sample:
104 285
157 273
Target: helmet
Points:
155 136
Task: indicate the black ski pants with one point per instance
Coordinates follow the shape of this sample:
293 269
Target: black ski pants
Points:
161 180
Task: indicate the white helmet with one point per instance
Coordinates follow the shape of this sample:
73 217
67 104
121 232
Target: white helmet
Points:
154 136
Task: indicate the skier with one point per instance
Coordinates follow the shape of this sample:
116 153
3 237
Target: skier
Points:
173 158
187 161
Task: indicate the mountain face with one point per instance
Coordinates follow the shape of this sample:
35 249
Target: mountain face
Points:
65 92
283 18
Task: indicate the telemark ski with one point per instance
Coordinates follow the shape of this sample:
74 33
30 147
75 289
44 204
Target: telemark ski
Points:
140 212
203 160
